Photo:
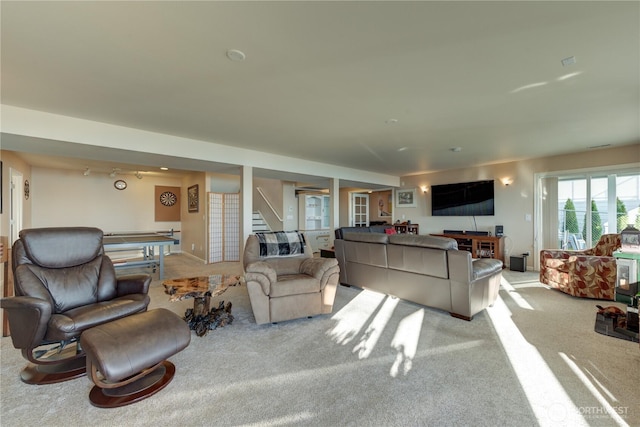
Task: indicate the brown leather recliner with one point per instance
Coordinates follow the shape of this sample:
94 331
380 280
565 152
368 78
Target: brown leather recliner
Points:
65 284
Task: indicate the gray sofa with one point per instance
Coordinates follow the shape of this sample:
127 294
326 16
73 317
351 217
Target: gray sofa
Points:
427 270
371 229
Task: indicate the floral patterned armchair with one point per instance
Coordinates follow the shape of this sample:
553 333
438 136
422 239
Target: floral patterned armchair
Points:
589 273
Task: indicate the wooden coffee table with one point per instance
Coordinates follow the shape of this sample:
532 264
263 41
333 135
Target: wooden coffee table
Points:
202 288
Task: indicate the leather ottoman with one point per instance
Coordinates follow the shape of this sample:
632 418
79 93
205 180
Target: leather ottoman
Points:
126 358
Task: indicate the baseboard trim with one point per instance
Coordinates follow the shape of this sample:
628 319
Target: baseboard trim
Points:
191 256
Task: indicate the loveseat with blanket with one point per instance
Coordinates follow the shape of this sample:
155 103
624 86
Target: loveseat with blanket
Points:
428 270
284 280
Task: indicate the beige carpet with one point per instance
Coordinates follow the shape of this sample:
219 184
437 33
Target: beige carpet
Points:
532 359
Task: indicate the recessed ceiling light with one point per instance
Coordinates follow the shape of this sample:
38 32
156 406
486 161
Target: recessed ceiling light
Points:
236 55
456 149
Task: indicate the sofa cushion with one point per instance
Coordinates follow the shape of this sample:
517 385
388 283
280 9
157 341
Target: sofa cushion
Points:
294 284
367 237
381 228
421 260
424 241
340 232
59 247
365 252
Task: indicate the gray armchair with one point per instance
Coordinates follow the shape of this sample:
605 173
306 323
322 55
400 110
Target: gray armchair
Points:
287 283
64 285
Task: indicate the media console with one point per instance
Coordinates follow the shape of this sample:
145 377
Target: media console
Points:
479 246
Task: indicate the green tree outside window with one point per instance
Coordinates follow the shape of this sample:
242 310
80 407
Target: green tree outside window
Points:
596 225
621 215
570 217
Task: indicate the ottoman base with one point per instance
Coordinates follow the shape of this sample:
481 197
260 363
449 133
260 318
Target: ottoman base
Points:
51 374
127 358
138 390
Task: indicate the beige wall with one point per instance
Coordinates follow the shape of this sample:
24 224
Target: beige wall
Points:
194 224
514 203
67 198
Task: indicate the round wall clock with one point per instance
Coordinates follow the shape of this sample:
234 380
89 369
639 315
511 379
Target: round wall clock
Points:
168 198
120 184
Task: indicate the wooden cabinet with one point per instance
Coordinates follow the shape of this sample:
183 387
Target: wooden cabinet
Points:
479 246
407 228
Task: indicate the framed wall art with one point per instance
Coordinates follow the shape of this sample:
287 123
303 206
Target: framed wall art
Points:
406 198
194 198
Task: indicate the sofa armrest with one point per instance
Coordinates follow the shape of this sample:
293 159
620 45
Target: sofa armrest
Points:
261 273
564 254
320 268
133 284
28 318
465 269
460 266
568 261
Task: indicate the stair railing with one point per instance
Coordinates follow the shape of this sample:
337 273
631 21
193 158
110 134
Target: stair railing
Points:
264 197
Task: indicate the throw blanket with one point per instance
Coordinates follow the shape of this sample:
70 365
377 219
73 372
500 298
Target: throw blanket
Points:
281 243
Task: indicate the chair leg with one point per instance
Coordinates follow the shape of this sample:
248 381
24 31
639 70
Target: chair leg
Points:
65 365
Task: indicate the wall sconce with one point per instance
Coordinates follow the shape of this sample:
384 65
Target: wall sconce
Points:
86 172
424 189
506 181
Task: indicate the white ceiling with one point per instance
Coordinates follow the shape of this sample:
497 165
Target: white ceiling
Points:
323 80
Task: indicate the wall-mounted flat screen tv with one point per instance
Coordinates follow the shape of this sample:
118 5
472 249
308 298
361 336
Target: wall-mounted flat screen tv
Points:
463 199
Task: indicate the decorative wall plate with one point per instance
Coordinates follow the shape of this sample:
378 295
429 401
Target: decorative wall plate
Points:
168 198
120 184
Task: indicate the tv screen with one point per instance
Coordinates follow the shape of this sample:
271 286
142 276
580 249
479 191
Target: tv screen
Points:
463 199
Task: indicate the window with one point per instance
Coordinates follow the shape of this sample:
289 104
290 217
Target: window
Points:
592 205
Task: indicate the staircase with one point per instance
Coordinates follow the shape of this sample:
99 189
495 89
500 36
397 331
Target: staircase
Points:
259 224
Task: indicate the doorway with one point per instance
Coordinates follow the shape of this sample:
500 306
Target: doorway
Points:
360 212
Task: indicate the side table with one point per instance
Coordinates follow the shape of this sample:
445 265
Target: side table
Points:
201 318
